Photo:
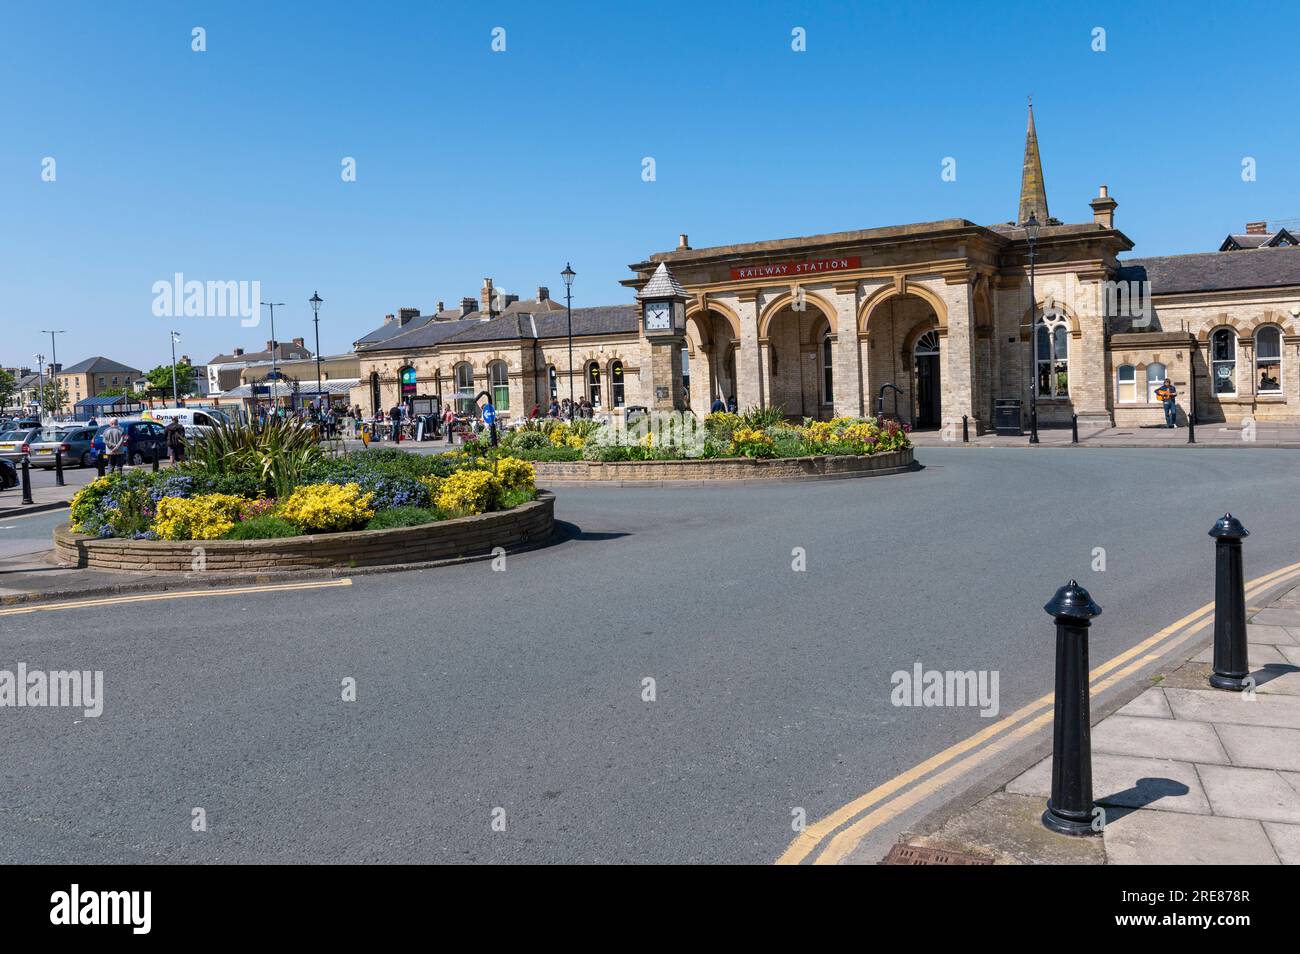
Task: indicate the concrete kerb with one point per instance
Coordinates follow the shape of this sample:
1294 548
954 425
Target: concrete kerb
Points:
1024 757
7 513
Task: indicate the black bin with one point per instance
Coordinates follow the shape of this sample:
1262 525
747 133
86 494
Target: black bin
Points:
1007 417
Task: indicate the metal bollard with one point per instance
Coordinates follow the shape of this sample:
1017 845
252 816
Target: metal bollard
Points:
1191 428
1230 663
1069 810
155 462
1033 425
27 481
1074 428
965 429
58 468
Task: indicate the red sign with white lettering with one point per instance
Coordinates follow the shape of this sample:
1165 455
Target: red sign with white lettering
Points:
795 269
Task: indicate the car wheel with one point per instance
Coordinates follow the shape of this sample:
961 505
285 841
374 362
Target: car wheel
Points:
88 459
137 458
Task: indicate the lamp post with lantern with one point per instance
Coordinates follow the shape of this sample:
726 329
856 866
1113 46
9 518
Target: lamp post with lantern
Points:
1031 235
568 275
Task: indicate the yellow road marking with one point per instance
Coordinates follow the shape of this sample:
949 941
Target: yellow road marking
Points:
179 595
808 840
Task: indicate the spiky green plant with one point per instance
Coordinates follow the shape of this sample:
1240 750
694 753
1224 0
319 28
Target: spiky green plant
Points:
275 453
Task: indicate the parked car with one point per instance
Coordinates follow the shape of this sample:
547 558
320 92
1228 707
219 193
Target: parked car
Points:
146 441
8 475
74 444
13 444
198 422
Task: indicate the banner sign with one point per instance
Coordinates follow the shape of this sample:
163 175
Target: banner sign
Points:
794 269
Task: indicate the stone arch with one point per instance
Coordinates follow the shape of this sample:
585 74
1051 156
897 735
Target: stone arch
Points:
775 307
902 289
1072 319
694 312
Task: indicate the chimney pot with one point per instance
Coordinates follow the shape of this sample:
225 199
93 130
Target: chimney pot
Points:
1103 209
682 242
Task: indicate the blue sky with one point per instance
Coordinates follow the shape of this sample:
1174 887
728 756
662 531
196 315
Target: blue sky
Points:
225 165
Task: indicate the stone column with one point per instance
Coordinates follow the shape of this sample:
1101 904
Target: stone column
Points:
749 360
846 356
957 355
1090 385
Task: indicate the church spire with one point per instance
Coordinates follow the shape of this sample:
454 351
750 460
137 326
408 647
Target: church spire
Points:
1033 192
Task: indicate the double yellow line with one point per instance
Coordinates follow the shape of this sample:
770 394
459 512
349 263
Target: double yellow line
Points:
178 595
843 829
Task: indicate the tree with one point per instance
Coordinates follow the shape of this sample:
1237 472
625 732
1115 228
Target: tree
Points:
51 397
160 379
7 387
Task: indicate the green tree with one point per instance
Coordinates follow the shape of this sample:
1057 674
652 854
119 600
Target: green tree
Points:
51 397
160 380
7 387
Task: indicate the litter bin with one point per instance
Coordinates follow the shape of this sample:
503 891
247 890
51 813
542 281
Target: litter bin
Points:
1006 417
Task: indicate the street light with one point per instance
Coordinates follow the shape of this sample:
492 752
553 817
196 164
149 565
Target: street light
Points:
54 363
176 336
315 302
40 384
1031 233
273 305
568 275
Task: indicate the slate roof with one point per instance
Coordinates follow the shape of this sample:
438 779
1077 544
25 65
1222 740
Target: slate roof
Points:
98 365
662 284
393 328
1238 241
283 350
595 320
1215 271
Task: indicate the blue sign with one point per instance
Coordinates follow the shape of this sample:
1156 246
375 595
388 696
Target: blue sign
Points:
489 414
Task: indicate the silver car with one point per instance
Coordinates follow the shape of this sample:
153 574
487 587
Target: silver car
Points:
13 444
73 444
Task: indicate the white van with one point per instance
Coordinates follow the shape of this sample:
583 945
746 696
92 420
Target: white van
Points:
197 421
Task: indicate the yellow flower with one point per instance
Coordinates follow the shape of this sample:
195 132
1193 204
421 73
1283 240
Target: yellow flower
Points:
469 491
206 517
514 473
325 507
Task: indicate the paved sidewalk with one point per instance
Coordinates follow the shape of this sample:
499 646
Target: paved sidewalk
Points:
1186 774
1264 434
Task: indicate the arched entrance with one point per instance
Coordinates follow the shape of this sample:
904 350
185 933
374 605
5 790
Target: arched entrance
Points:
798 339
709 366
925 358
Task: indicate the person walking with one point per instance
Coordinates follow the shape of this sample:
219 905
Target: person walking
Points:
114 439
395 418
718 406
175 432
1167 395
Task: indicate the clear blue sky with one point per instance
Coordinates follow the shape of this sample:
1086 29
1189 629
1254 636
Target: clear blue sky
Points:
225 165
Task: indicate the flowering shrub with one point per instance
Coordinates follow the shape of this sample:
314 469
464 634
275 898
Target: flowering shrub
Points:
324 507
514 473
173 485
251 509
469 491
205 517
749 442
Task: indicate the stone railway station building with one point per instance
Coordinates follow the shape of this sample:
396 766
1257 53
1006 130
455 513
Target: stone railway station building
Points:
936 316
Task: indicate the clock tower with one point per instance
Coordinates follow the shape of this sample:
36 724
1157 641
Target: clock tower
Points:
663 324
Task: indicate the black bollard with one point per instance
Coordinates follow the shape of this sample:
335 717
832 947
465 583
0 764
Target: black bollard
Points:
99 464
965 429
155 462
1033 425
27 481
1191 428
1069 810
1230 664
58 467
1074 428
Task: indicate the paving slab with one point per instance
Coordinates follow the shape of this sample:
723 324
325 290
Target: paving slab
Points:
1292 654
1258 654
1279 678
1216 705
1266 747
1008 830
1285 840
1128 782
1250 793
1152 704
1281 616
1158 738
1168 838
1261 633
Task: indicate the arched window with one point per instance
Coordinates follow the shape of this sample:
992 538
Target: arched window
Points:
686 368
552 382
828 388
593 383
1126 384
1223 361
499 382
615 384
374 392
1053 361
464 388
1268 359
1156 374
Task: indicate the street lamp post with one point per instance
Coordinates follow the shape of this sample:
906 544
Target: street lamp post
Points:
275 345
568 276
54 364
1031 233
40 384
176 400
315 301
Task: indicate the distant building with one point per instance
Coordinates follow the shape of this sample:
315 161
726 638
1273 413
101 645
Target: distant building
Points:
94 376
225 370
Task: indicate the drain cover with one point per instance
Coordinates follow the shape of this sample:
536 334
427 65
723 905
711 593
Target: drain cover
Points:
916 855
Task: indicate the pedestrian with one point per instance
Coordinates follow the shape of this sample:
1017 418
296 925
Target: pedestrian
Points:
395 418
731 404
1167 395
449 422
535 412
175 432
717 407
114 446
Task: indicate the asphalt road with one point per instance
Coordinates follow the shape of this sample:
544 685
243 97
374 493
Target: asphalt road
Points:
522 690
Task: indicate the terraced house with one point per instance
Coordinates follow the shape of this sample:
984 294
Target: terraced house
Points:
934 322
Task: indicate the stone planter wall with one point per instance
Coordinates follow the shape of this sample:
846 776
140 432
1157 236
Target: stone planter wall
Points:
529 523
645 472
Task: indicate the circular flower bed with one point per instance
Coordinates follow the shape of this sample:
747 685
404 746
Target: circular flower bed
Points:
250 487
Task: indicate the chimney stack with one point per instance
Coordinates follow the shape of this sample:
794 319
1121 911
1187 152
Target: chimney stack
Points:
1256 228
388 318
543 293
407 315
466 306
300 342
441 308
683 245
1103 209
485 297
238 352
270 345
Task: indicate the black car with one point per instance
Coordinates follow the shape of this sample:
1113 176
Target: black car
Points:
146 441
8 475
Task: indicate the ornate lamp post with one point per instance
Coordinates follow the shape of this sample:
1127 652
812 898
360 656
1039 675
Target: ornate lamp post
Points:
568 276
176 336
54 369
1031 234
315 302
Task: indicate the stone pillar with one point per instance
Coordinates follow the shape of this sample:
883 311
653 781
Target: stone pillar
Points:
749 359
1090 397
846 356
666 374
957 356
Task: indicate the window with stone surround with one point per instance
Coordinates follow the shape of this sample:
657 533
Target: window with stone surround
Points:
1223 361
828 381
616 391
1156 374
1268 359
1053 367
464 388
499 382
1126 384
593 384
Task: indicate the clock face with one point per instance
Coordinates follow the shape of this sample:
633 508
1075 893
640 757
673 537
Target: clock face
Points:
658 316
